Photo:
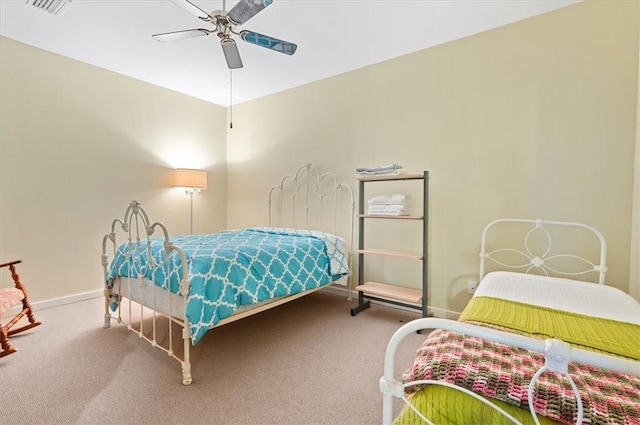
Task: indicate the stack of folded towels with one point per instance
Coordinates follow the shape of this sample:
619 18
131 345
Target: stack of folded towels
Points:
396 204
380 169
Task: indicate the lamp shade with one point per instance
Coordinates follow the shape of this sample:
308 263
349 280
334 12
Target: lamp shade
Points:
196 179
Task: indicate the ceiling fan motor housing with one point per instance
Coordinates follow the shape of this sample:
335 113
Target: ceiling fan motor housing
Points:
223 26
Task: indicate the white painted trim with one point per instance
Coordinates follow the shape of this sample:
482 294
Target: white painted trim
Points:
335 290
57 302
340 291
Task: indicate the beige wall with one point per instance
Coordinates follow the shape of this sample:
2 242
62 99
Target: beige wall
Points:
535 119
77 144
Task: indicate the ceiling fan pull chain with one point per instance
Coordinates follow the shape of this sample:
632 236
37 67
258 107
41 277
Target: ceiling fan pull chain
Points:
230 98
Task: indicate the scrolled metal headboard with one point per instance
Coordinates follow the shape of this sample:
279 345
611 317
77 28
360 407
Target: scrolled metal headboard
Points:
314 201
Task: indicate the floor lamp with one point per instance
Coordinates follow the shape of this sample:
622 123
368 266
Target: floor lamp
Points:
193 181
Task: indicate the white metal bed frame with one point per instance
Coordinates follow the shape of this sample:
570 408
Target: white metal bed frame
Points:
307 190
557 353
540 261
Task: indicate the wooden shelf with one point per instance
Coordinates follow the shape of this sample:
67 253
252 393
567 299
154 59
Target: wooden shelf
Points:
390 253
395 292
393 217
383 177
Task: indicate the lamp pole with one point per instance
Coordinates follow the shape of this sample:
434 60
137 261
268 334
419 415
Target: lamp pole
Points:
191 211
193 181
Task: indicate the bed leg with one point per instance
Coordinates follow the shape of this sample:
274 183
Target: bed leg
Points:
186 374
107 316
107 321
186 364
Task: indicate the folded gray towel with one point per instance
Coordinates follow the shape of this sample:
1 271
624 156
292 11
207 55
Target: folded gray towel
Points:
382 169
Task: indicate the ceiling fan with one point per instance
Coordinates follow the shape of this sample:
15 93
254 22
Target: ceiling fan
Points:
224 26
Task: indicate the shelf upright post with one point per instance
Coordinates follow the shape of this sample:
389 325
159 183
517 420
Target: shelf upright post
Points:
362 303
425 244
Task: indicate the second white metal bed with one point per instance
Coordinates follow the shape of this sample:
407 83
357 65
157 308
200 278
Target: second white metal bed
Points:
440 378
153 278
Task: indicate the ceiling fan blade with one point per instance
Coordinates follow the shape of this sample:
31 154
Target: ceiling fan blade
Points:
181 35
269 42
193 9
246 9
231 53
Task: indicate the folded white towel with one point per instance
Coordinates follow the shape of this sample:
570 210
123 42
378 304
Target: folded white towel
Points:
389 209
388 212
394 199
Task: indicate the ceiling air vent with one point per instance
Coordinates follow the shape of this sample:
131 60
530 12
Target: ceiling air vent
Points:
51 6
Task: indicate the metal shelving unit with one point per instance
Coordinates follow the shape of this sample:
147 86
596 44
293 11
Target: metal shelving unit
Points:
387 292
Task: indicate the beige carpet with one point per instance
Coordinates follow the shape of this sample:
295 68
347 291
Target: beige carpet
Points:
306 362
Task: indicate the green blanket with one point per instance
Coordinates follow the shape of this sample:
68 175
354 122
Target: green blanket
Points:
610 336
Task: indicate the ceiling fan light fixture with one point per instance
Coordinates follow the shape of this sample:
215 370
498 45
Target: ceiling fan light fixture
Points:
52 6
231 53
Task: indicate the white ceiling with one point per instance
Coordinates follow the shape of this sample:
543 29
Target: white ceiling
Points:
333 37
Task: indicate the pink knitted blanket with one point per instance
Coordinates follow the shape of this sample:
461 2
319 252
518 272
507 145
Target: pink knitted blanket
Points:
502 372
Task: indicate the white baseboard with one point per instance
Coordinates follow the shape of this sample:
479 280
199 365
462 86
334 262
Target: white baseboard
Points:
437 312
340 291
56 302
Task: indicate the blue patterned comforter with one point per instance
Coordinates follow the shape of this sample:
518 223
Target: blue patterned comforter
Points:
231 269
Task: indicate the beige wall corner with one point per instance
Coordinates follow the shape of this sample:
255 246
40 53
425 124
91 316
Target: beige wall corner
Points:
535 120
634 262
77 145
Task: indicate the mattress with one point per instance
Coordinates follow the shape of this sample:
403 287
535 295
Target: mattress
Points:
578 297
